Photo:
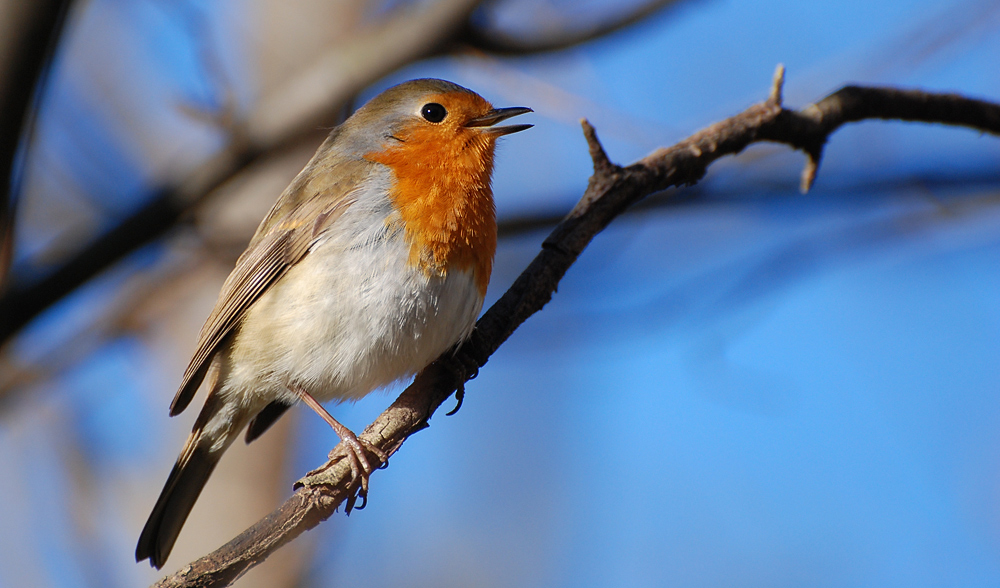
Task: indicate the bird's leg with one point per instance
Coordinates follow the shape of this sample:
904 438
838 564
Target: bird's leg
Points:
360 466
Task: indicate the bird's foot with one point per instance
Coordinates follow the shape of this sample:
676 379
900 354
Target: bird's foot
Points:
357 456
356 453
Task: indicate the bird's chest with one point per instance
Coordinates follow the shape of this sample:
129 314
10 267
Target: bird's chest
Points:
361 314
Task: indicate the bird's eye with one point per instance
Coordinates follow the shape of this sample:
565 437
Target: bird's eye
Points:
433 112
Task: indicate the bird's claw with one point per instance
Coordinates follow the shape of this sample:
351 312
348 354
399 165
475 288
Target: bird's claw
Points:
352 500
468 370
459 397
361 467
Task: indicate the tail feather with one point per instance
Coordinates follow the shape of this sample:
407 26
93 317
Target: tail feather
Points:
179 494
265 418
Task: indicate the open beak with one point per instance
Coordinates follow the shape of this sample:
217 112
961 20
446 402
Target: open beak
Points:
500 114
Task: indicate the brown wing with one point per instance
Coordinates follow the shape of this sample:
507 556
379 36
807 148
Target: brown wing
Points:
313 202
320 168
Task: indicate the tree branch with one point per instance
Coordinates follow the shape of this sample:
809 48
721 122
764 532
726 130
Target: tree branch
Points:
610 191
22 303
500 43
29 35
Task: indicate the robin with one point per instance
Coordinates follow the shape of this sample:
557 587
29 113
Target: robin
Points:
371 264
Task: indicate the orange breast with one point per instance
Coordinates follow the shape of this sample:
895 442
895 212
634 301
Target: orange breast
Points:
444 198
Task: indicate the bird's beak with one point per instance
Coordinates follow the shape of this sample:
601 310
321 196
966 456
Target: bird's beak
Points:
500 114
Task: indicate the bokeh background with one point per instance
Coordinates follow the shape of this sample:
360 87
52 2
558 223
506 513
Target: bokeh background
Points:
736 385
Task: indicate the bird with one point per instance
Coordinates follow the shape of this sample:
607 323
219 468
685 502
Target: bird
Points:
373 262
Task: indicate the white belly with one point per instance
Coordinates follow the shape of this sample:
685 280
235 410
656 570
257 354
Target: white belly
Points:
348 318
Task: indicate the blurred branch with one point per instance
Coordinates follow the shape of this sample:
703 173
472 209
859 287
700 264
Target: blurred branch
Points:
610 191
29 35
288 113
309 99
501 43
21 304
409 34
122 316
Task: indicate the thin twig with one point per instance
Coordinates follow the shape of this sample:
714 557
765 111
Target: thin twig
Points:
31 37
500 43
611 190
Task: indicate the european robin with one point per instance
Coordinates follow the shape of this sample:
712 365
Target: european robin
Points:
371 264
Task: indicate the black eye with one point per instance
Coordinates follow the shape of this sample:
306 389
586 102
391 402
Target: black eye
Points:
433 112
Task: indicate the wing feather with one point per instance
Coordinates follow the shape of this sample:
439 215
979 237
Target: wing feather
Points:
310 205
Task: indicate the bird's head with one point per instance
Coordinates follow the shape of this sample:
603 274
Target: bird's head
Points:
438 139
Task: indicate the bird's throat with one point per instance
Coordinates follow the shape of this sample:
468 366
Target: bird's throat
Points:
445 202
